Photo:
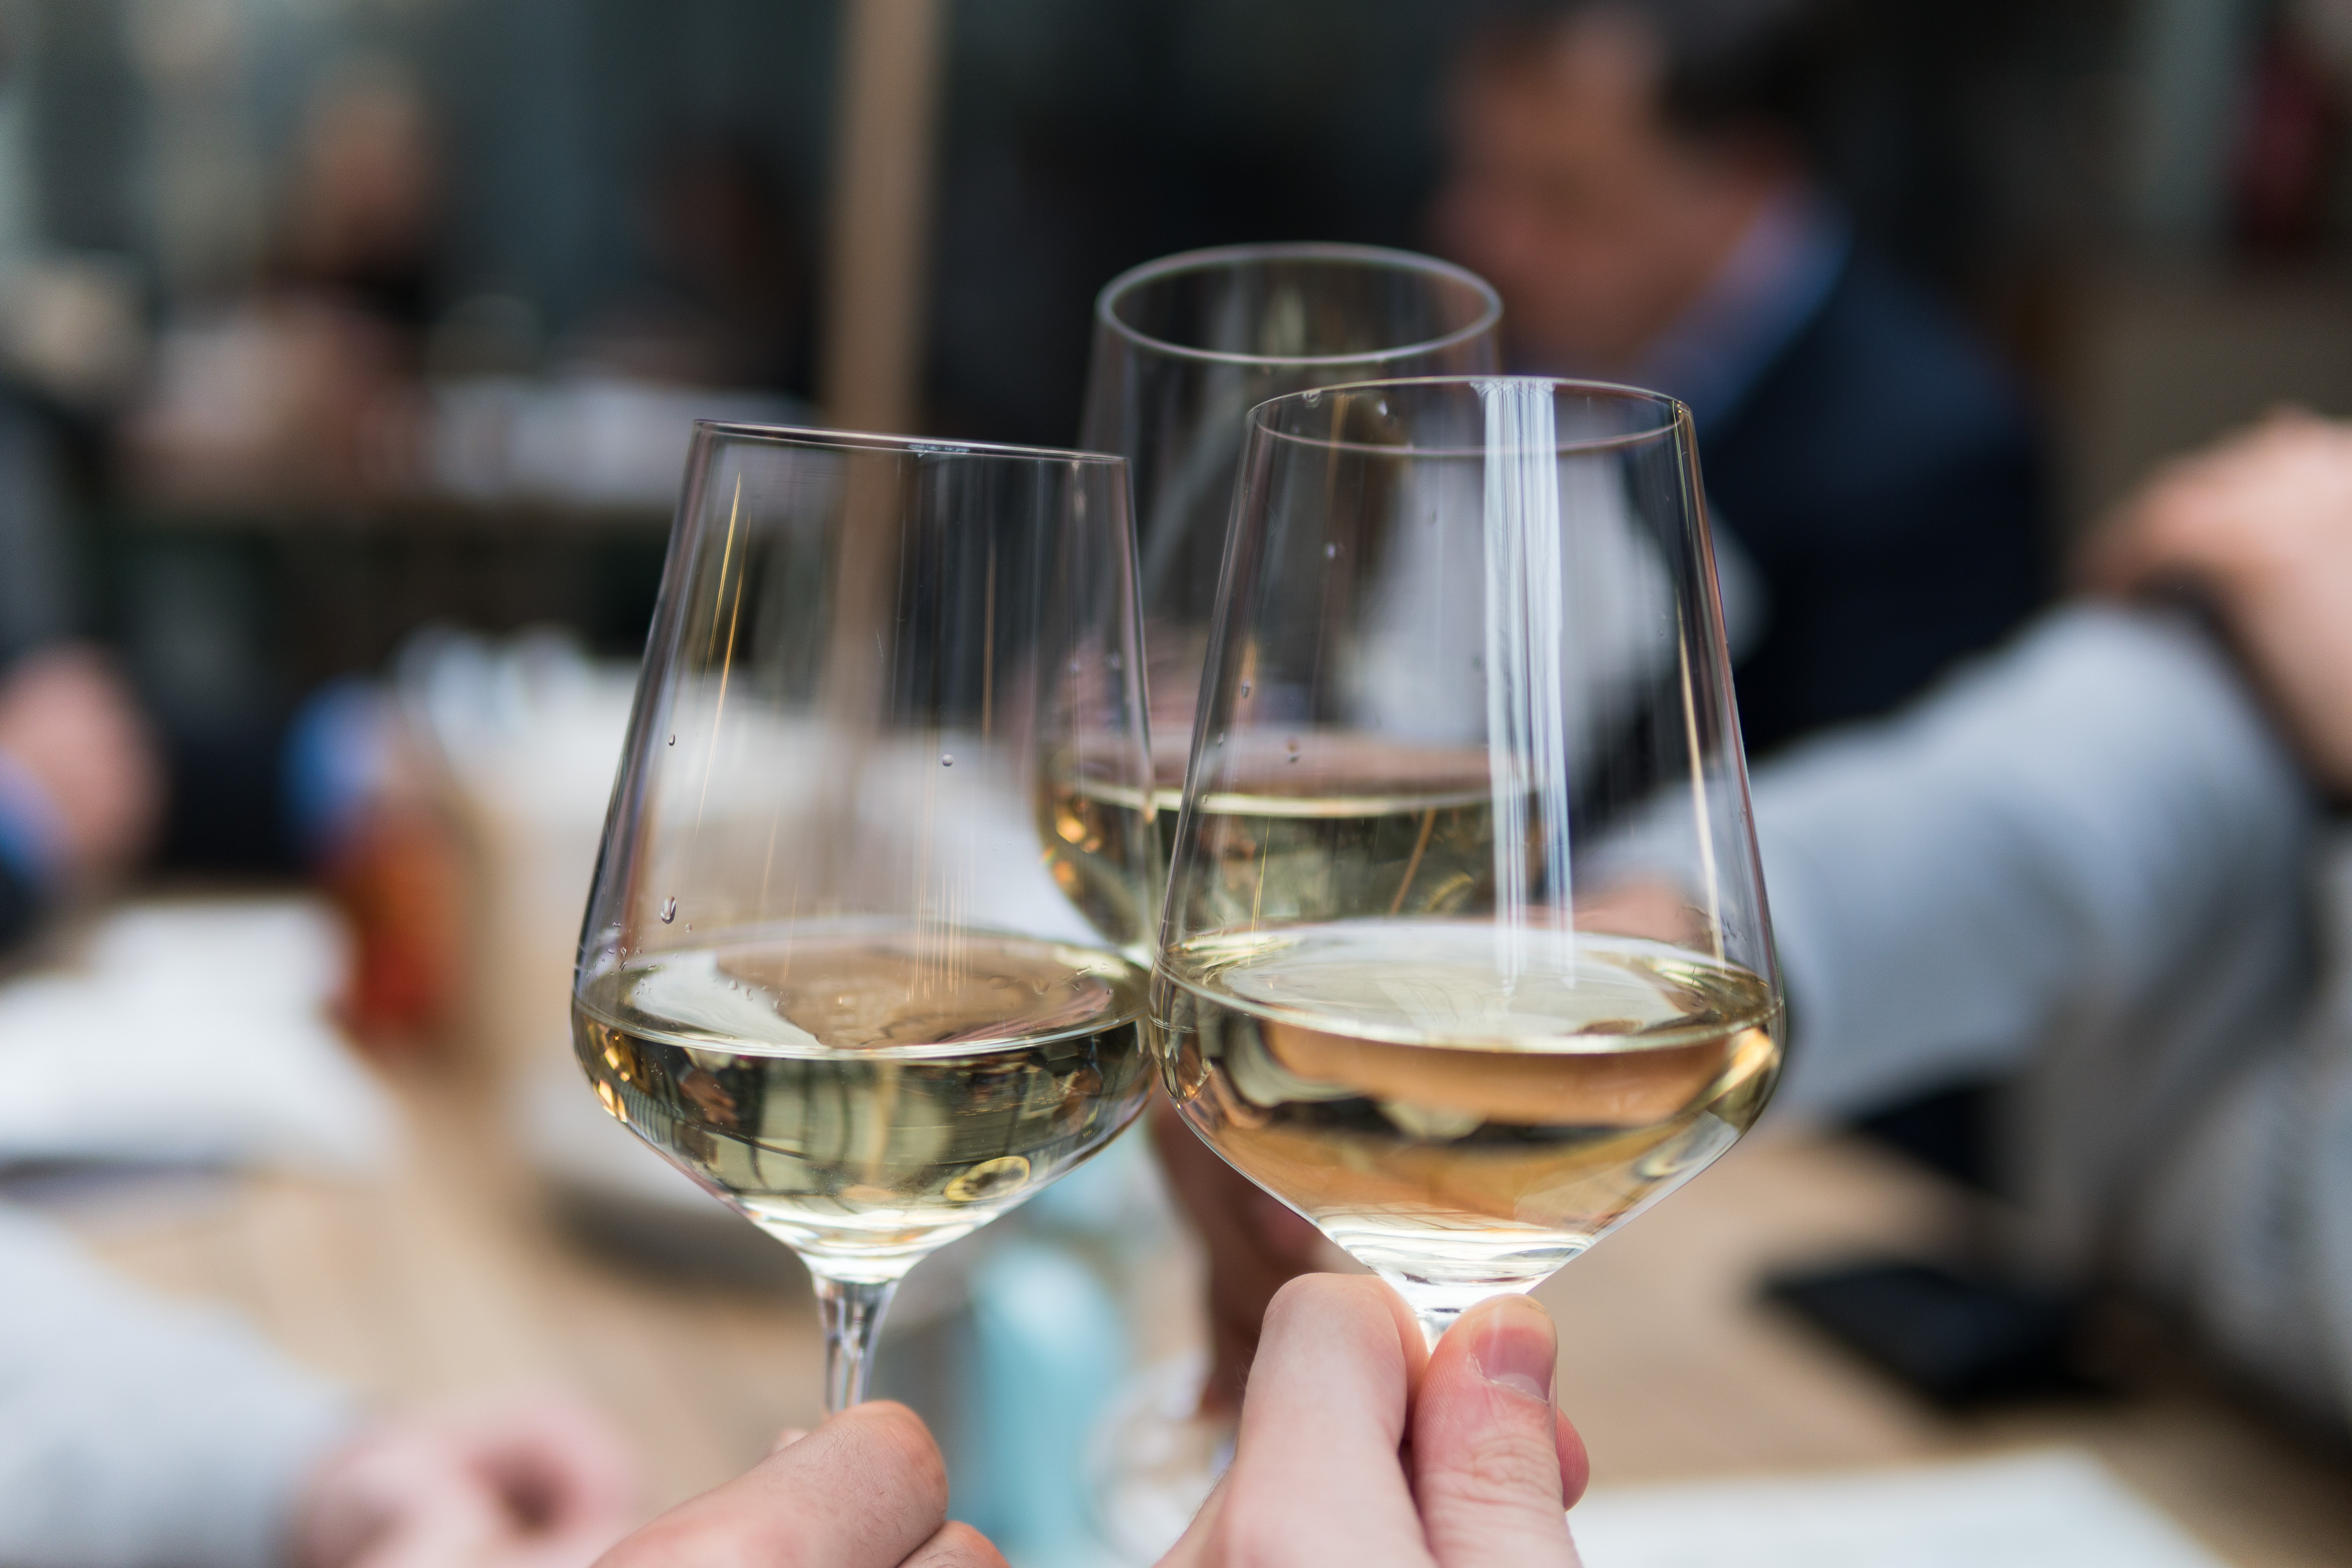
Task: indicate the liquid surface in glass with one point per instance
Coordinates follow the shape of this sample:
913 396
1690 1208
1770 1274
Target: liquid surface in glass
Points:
1463 1107
867 1095
1315 825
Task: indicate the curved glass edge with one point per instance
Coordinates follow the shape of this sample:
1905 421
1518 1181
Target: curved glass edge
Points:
1107 318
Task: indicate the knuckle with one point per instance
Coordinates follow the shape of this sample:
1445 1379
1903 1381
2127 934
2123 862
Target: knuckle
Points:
1496 1473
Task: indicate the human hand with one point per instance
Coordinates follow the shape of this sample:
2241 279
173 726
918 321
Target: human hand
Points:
538 1481
866 1490
2260 526
1360 1450
1325 1476
69 722
1255 1246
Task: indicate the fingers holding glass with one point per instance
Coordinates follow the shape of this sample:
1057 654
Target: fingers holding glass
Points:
866 1490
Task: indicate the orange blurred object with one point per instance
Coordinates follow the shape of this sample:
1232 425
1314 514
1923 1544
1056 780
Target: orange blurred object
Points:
399 877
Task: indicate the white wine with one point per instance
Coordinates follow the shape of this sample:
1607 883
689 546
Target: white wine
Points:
1102 848
1461 1106
866 1095
1296 828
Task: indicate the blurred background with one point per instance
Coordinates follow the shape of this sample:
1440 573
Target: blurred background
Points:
358 314
363 338
316 285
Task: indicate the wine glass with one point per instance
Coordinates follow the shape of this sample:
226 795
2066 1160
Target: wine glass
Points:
1184 346
1466 955
838 964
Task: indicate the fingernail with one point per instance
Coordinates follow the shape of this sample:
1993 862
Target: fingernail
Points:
1516 1348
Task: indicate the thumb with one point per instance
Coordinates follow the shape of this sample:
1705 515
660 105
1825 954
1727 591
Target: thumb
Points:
1494 1465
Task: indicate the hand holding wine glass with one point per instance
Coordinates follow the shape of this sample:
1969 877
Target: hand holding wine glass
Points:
1184 346
1360 1449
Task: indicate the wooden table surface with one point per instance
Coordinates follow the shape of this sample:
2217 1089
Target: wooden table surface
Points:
446 1275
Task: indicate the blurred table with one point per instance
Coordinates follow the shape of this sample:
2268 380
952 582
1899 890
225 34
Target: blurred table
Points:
446 1275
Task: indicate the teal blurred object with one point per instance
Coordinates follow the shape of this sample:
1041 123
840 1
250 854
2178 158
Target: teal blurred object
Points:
1050 1352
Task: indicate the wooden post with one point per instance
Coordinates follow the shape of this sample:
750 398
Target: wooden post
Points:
878 285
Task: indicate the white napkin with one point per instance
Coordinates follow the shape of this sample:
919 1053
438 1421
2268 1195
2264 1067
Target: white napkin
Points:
2054 1508
193 1033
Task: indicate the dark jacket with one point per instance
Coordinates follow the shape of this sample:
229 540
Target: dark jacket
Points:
1885 477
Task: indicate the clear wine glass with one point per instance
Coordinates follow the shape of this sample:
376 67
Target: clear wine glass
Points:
1466 955
1185 345
1182 347
846 962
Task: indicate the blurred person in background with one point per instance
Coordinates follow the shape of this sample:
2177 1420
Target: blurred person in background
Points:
307 387
1632 176
363 218
134 1432
727 301
80 785
81 780
139 1434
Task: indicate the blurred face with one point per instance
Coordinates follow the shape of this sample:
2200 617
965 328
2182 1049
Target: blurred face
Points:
1599 224
369 179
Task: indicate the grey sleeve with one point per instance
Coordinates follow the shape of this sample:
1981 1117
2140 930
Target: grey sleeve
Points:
2247 1226
139 1434
2088 867
2055 842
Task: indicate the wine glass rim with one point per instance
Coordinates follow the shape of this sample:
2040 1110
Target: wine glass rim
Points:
1676 414
916 446
1230 255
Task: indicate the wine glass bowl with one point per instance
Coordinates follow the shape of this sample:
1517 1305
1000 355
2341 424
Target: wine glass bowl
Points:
1185 345
1466 955
832 967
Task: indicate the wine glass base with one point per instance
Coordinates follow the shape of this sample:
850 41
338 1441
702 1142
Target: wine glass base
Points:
1157 1458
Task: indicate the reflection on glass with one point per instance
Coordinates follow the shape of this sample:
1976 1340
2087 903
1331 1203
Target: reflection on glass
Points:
1185 345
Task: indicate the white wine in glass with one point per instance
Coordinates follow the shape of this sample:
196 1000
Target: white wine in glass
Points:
1183 347
834 968
1466 955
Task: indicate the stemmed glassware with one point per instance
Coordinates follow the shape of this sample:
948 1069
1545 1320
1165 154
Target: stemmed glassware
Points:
849 960
1466 955
1185 345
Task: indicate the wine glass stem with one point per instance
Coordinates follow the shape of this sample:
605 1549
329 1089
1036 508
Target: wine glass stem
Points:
851 1312
1434 1321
